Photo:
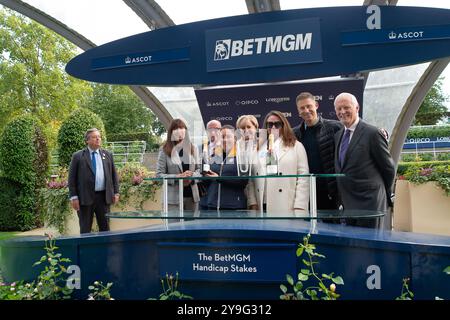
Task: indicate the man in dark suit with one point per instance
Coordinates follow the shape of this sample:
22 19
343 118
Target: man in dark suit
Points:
317 136
93 183
362 155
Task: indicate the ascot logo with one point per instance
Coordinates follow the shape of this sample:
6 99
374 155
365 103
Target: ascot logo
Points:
141 59
405 35
226 49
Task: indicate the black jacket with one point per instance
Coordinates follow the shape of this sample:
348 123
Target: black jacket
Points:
82 179
325 139
232 194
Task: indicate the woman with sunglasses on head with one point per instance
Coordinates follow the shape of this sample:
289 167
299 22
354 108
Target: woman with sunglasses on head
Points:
282 195
178 157
226 194
247 148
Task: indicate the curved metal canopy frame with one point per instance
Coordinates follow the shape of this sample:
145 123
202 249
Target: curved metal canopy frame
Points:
151 13
82 42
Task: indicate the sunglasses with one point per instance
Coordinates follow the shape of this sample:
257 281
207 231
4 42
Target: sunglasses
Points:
276 124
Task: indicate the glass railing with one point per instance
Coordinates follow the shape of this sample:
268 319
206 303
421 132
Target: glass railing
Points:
311 213
336 215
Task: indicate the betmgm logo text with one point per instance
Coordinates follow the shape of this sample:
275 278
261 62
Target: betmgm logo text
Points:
227 48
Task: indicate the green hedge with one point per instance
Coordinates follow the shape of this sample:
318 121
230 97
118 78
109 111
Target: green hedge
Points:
9 193
404 166
24 161
430 132
71 133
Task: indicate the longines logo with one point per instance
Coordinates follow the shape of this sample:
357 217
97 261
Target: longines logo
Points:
141 59
287 114
217 104
405 35
227 48
246 102
278 99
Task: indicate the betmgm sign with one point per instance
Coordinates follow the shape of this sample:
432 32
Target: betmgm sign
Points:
267 44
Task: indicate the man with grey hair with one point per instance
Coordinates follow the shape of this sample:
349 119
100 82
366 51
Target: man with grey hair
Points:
213 131
362 155
93 182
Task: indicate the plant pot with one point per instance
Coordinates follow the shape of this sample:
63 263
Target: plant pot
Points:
423 208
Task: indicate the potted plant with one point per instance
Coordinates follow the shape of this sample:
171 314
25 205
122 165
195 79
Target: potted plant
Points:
423 200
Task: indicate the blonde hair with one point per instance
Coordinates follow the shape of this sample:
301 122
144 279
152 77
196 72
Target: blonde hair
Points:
251 118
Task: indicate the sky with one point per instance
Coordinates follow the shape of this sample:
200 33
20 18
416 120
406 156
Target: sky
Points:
102 21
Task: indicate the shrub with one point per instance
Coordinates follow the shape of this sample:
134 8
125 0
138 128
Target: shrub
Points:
131 177
9 191
429 132
71 133
404 166
24 160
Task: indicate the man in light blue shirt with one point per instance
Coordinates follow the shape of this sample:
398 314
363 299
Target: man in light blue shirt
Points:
93 183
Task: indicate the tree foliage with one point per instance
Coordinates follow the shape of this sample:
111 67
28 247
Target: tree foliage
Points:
71 133
32 76
433 108
122 111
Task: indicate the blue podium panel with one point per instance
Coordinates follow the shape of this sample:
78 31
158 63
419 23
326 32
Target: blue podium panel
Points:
242 259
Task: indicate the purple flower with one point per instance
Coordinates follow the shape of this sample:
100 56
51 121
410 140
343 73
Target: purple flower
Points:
426 172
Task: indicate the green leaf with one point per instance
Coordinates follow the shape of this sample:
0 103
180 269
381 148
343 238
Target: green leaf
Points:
283 288
326 276
338 280
305 271
299 285
447 270
289 279
299 252
307 263
302 277
322 286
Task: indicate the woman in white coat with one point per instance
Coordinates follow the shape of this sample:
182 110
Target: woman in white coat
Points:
282 196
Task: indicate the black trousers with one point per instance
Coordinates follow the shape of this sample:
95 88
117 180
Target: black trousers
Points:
100 208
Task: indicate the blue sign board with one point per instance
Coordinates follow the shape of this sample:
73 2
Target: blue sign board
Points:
139 59
427 143
395 35
272 46
262 45
229 262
